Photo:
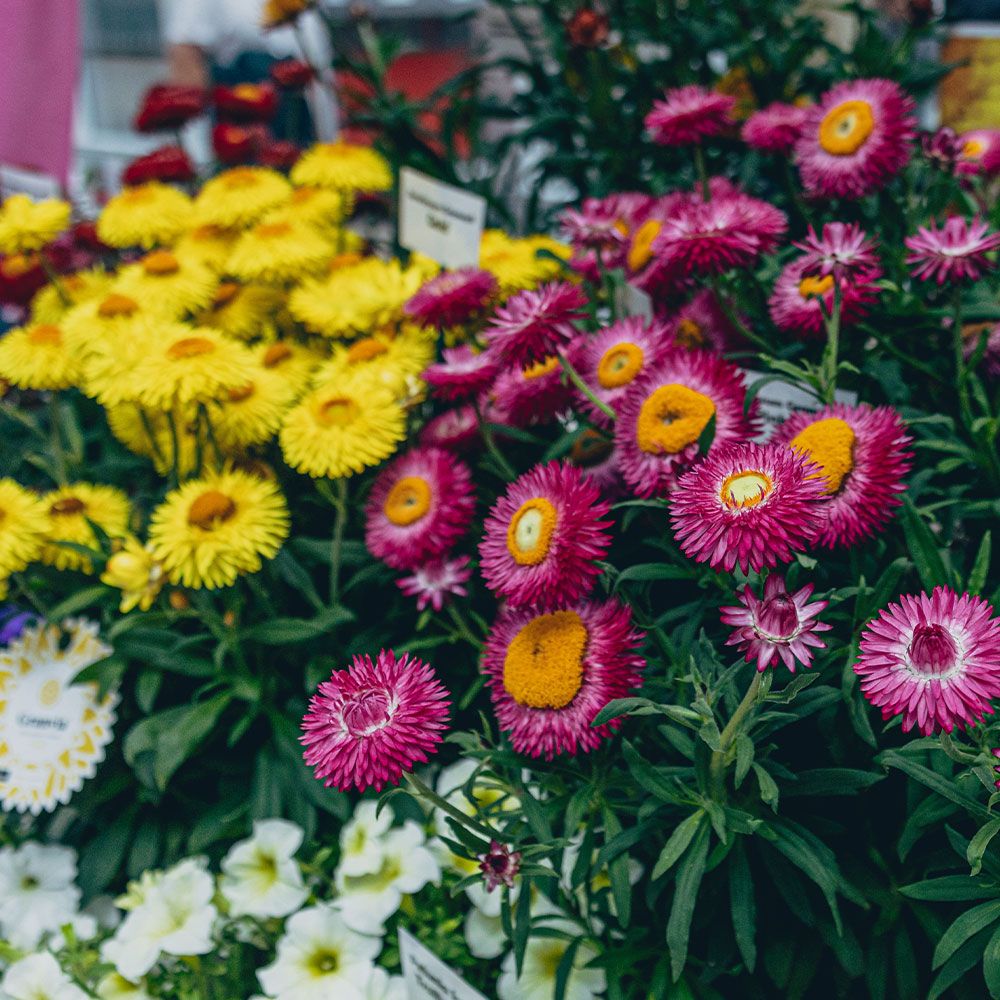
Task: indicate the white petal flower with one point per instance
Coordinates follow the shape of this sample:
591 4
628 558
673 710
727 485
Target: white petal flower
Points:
382 986
261 877
38 977
37 892
541 964
116 987
320 957
484 934
361 839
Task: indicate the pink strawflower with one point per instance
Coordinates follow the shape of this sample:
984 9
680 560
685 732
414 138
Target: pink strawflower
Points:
663 415
863 455
462 374
701 323
979 152
941 148
435 581
774 129
778 626
601 230
550 674
456 429
419 506
499 866
855 139
799 299
934 659
748 504
689 114
453 297
369 724
613 358
843 249
952 252
535 323
531 395
543 537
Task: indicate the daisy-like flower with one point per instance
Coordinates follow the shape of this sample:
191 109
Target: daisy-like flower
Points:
516 262
934 659
38 357
462 374
344 167
419 506
260 876
689 114
453 297
279 252
369 724
543 958
855 139
177 285
612 359
135 572
533 325
116 987
38 977
701 323
292 361
955 251
863 454
747 504
979 152
774 129
799 298
601 230
550 674
663 415
144 216
210 530
941 148
252 413
842 249
778 626
27 225
209 245
24 525
534 394
435 581
392 361
542 538
239 197
456 429
50 305
318 207
38 893
499 866
72 512
243 311
341 429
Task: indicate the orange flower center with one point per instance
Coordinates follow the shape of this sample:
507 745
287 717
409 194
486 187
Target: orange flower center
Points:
243 392
541 368
339 411
225 294
744 489
973 148
115 305
619 365
67 505
273 230
830 444
18 264
366 350
640 253
543 667
672 418
247 92
276 353
408 500
211 509
813 287
160 262
690 334
189 347
846 127
46 334
529 534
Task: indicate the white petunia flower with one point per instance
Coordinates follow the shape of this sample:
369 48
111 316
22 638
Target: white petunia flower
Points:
319 958
38 977
542 957
260 876
367 901
37 892
382 986
484 934
361 839
116 987
171 913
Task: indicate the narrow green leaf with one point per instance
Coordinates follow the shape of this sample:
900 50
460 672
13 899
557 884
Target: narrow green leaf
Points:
744 757
948 888
768 787
991 965
963 927
924 549
689 876
981 567
959 963
78 601
979 843
677 843
177 742
282 631
936 782
743 906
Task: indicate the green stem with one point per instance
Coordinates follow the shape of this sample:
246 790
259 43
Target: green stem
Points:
210 435
734 320
148 428
175 458
55 441
337 538
729 734
961 372
702 171
28 594
577 380
426 792
491 445
463 626
830 356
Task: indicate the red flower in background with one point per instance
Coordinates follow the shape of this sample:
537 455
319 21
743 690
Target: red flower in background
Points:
246 102
279 154
588 28
168 163
21 275
166 107
292 74
238 143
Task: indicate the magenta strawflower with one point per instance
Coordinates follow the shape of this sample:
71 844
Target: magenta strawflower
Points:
499 866
453 297
701 323
842 249
689 114
456 429
543 537
462 374
610 360
433 582
369 724
601 229
952 252
778 626
855 139
550 674
799 299
941 148
863 454
749 505
774 129
419 506
979 152
934 659
663 415
536 323
531 395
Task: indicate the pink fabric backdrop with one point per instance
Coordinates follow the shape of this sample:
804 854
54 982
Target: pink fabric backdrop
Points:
39 62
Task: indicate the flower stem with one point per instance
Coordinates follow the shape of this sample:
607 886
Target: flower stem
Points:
55 440
577 380
426 792
961 371
175 458
337 538
830 357
491 445
463 626
729 734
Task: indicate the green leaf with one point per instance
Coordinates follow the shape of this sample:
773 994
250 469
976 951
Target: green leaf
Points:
619 873
768 787
620 707
689 876
803 855
283 631
981 567
959 963
991 965
677 843
744 758
742 906
926 555
653 571
948 888
827 781
979 843
707 436
963 927
78 601
945 787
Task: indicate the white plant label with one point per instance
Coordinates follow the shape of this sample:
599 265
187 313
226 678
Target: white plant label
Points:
439 220
777 401
427 977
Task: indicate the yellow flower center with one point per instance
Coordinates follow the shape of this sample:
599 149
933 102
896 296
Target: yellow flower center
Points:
690 334
529 533
845 128
813 287
241 393
338 411
344 260
830 444
323 963
239 177
160 262
302 195
745 488
640 253
225 294
619 365
247 92
18 264
543 667
973 148
366 350
408 500
541 368
67 505
189 347
272 230
47 334
275 354
672 418
116 305
210 509
138 195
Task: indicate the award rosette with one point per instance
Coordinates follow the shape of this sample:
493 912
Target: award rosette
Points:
52 732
